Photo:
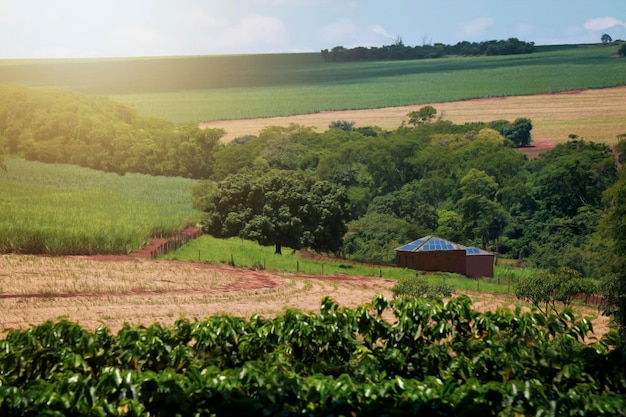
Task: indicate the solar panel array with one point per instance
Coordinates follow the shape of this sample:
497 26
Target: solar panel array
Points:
411 246
472 251
438 244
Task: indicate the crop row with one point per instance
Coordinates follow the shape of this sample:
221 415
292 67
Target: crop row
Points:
193 89
432 358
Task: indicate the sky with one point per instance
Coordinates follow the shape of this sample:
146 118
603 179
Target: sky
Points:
122 28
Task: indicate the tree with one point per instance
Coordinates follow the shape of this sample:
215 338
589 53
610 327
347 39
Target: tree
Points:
483 217
421 116
544 289
342 125
573 175
606 39
281 209
517 132
614 226
622 50
407 205
373 237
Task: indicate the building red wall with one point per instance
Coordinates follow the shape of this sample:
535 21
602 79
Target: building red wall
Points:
479 266
444 261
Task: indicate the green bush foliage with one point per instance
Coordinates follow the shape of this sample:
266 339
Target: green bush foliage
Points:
61 126
432 358
419 287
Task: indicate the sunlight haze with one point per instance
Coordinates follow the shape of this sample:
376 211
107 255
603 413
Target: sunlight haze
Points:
112 28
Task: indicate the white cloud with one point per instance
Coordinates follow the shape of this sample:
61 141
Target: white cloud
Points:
477 26
379 30
602 23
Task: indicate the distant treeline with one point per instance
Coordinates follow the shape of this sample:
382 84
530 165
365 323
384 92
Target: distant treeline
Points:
60 126
398 51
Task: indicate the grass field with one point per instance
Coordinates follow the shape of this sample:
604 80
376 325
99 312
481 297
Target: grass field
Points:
63 209
247 254
196 89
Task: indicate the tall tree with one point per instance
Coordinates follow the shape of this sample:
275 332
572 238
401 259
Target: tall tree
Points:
483 217
614 226
573 175
280 209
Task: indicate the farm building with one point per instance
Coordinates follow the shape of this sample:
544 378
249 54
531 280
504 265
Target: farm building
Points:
432 253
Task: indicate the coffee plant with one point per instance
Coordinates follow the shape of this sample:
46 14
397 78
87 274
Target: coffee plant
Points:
407 356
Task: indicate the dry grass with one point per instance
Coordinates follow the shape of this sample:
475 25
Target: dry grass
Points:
596 115
35 289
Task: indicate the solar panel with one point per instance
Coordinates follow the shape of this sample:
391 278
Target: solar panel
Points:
472 250
411 246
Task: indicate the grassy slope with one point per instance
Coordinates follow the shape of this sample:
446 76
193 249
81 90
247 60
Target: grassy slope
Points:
235 87
63 209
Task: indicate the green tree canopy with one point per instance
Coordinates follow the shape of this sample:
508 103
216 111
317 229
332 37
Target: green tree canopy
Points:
614 227
423 115
573 175
483 217
279 208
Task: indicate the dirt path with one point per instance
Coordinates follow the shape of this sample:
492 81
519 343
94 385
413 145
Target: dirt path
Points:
598 115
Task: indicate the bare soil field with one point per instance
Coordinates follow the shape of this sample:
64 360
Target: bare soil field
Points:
597 115
141 291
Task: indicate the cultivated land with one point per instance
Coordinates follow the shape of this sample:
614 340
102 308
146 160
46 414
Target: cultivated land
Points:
596 115
114 291
136 290
118 290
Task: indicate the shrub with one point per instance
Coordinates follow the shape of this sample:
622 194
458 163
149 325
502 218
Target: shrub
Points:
419 287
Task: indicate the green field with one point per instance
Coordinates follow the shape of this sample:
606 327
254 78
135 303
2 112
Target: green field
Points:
196 89
64 209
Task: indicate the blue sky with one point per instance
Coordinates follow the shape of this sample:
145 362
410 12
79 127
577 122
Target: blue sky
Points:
107 28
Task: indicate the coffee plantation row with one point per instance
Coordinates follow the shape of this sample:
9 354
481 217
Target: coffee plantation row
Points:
401 357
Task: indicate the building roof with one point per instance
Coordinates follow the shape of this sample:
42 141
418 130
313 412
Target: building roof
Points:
435 243
472 250
428 243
